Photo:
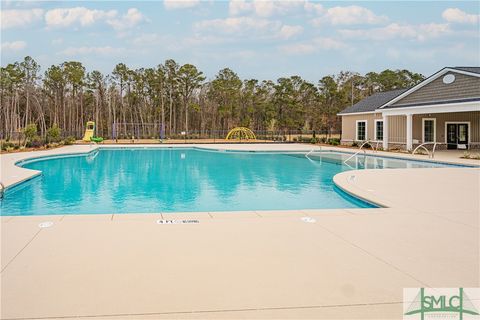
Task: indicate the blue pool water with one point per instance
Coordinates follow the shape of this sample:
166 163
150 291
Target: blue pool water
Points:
169 180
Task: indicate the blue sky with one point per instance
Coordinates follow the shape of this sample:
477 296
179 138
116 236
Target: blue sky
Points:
257 39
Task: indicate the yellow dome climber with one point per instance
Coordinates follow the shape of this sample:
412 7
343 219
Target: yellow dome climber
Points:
241 133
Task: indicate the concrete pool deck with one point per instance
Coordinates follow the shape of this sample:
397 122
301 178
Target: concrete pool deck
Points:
349 263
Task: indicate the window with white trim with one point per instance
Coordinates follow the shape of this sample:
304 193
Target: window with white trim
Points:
361 131
428 130
378 130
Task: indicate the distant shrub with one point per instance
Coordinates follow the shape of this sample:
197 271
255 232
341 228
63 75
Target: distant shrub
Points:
30 131
69 140
35 142
354 144
334 141
307 139
8 145
53 134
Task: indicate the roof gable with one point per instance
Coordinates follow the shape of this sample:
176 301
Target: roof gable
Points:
434 90
464 87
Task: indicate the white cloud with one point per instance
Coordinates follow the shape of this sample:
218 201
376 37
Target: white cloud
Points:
180 4
312 46
456 15
239 6
77 51
19 18
14 46
128 20
64 17
238 25
264 8
348 16
249 26
315 8
397 31
432 30
287 32
245 26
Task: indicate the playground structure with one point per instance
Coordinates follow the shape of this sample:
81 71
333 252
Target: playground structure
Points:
90 133
241 133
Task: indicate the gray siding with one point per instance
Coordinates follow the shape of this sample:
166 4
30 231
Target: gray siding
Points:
463 87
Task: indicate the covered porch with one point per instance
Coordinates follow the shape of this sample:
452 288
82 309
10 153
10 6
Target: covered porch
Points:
450 126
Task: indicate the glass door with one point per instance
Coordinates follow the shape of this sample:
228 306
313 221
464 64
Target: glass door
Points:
457 135
451 136
462 135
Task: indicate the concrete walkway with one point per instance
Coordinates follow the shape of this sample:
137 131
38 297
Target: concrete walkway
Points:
347 264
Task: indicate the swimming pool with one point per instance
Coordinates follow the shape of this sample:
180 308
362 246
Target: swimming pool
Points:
147 180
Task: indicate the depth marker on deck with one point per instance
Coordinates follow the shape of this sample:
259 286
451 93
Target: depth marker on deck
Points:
46 224
164 221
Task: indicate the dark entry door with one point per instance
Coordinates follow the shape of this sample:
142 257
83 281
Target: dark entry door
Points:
457 133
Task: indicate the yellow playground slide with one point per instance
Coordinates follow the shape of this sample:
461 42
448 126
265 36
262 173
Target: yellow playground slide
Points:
89 131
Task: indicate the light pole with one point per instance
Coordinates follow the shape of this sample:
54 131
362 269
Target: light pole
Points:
352 93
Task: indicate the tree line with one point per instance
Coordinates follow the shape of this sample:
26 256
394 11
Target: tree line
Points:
171 98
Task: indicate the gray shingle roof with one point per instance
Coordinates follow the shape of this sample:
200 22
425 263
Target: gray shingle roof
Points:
468 69
374 101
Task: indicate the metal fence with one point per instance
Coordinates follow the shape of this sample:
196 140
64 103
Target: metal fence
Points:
204 136
220 135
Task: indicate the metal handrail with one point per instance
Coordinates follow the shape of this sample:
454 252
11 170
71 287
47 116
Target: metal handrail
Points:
433 150
311 160
92 155
430 155
2 192
360 149
311 151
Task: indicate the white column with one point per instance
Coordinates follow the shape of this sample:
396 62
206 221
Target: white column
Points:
385 132
409 132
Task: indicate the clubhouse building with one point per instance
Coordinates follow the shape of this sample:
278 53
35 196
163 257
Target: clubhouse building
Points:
444 108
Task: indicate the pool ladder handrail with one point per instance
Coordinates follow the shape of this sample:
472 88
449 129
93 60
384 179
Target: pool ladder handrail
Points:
430 155
92 154
361 149
2 191
312 151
